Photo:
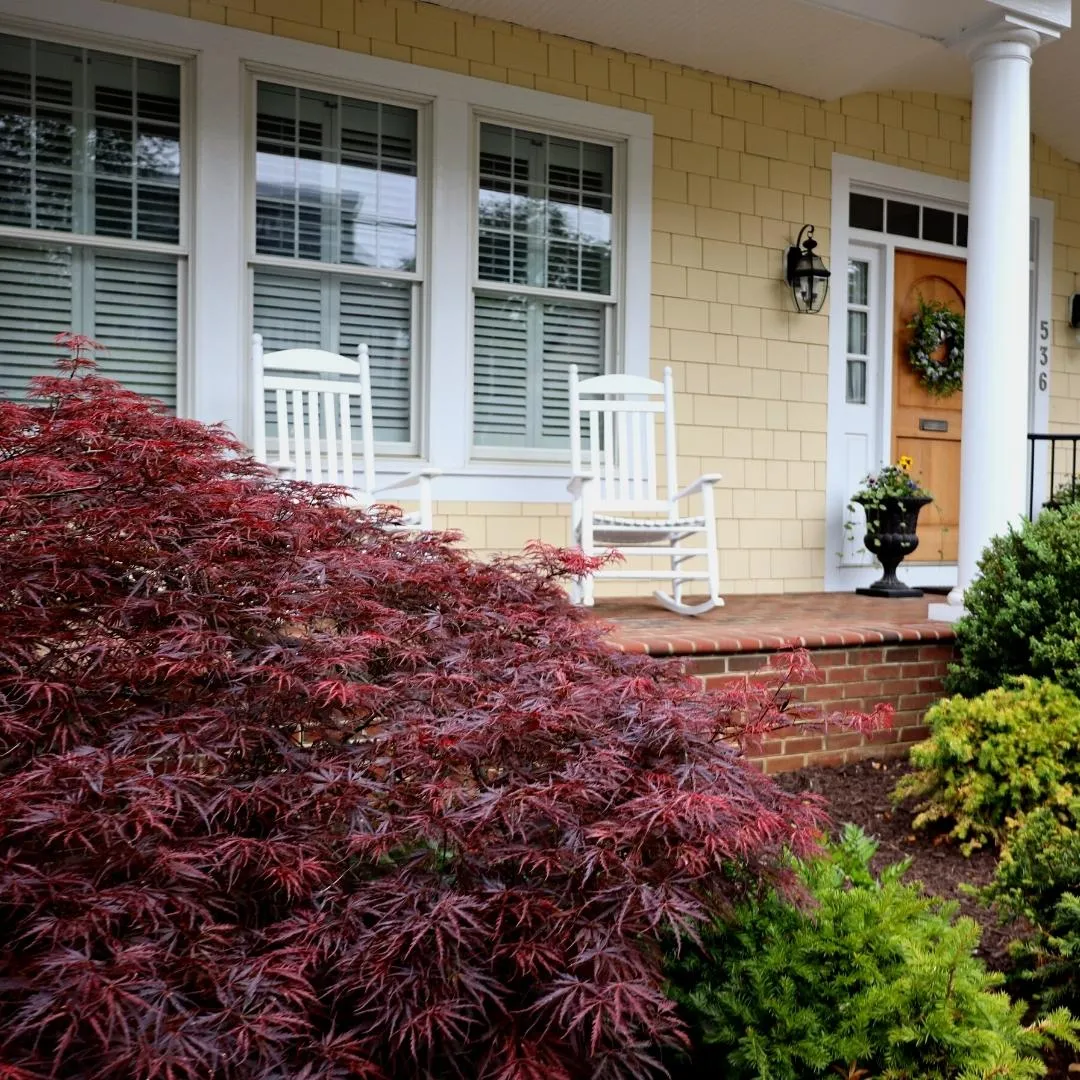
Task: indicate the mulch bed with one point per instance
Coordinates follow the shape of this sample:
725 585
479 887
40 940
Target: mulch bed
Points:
859 793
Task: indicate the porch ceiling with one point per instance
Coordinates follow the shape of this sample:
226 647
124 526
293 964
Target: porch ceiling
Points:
821 48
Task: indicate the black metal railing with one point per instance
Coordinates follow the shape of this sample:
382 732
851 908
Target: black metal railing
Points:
1053 460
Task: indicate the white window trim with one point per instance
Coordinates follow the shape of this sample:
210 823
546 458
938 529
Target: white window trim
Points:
849 172
223 58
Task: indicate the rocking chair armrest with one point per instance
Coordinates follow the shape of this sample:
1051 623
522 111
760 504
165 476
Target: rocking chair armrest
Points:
708 479
408 481
578 482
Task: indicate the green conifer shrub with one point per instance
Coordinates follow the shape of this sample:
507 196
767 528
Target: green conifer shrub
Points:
1024 610
993 758
870 978
1038 880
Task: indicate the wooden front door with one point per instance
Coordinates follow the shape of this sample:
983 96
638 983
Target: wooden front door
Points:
927 428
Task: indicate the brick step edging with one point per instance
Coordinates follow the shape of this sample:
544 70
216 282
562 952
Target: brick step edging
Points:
909 675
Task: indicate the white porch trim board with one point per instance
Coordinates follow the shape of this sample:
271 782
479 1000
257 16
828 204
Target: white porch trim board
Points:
220 65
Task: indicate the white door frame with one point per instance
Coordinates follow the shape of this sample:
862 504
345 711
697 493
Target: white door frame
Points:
846 567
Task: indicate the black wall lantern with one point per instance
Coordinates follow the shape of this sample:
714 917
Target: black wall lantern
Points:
807 274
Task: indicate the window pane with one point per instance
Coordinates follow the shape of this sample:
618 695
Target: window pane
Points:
89 141
858 282
545 210
961 230
127 302
336 179
937 225
523 349
903 219
856 382
866 212
856 333
333 312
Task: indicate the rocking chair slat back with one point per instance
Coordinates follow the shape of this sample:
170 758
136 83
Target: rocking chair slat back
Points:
314 393
619 413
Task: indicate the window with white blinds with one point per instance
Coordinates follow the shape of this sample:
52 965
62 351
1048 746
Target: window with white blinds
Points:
336 237
90 212
543 296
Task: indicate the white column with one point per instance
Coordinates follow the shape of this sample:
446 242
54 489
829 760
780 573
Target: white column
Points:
993 451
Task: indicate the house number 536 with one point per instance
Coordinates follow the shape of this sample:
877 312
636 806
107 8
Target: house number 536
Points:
1044 353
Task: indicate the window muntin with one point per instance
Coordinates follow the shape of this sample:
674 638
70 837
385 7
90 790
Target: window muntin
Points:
907 219
545 210
90 148
89 142
544 296
336 179
336 237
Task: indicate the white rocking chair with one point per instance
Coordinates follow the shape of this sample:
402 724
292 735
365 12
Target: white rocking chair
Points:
315 426
615 493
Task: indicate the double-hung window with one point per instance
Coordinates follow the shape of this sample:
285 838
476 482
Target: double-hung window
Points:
91 212
544 294
337 245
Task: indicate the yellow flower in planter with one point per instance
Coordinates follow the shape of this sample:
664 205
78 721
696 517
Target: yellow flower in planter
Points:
905 463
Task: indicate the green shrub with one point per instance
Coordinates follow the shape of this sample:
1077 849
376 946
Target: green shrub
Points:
1040 864
872 976
990 759
1024 610
1038 880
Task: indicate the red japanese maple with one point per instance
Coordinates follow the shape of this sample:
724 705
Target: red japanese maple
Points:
283 795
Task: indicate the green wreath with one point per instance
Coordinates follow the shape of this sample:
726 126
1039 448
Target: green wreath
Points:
935 325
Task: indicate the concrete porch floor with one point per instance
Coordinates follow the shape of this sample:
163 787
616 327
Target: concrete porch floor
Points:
769 623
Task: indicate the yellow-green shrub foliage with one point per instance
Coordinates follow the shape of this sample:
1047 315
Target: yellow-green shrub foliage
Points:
990 759
1038 880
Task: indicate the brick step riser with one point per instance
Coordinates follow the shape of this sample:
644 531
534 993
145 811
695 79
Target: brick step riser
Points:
907 676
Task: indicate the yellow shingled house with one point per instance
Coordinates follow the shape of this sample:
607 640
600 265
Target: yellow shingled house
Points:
176 175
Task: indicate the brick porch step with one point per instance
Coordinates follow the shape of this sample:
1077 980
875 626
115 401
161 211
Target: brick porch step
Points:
867 651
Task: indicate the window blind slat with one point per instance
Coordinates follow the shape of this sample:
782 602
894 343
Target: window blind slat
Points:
35 305
134 316
522 352
573 334
381 315
500 372
333 313
128 305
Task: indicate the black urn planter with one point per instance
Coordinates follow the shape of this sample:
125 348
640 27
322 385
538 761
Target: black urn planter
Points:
891 537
